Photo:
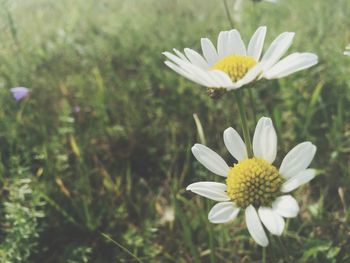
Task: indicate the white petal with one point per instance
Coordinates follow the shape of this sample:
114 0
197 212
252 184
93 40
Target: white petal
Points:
201 76
211 190
180 55
199 73
221 78
256 43
257 137
298 159
277 49
223 44
210 160
235 44
212 78
223 212
178 60
196 59
184 73
272 221
301 178
286 206
265 140
291 64
235 144
209 51
255 227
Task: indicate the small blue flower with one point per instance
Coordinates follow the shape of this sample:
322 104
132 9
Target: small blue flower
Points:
20 93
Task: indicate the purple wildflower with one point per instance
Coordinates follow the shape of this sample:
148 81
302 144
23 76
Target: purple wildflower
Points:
19 93
77 109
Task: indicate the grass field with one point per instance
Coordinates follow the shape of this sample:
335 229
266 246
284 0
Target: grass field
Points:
95 162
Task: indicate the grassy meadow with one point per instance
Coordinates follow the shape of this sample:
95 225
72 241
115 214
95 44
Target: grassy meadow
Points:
95 162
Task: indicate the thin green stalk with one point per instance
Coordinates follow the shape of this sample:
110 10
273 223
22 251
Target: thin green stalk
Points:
122 247
85 182
186 229
228 14
243 116
11 22
263 255
199 129
251 101
211 238
282 248
59 209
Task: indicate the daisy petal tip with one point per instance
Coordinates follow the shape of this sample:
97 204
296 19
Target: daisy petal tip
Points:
268 121
189 187
265 244
262 29
195 146
265 120
223 212
272 221
211 220
314 56
314 148
193 149
286 206
255 227
228 130
300 179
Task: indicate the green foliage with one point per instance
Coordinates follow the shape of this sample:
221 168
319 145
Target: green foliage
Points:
116 163
22 212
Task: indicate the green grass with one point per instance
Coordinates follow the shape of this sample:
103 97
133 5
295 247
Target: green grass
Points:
101 178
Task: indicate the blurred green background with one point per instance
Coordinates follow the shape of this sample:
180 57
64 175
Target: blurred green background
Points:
94 164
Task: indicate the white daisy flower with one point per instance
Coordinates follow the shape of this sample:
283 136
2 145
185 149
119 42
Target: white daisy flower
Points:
347 50
232 65
254 184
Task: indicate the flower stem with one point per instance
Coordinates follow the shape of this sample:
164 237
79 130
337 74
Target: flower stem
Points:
228 14
251 100
243 116
285 250
282 248
263 255
211 238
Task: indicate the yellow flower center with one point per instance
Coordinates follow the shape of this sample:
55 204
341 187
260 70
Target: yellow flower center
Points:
235 66
253 181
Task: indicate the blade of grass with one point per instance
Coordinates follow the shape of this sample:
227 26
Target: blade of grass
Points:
121 247
59 209
185 227
312 106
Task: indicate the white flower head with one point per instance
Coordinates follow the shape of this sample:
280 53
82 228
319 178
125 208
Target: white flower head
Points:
254 184
232 65
347 50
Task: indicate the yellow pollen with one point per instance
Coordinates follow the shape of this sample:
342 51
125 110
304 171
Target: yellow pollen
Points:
236 66
253 182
